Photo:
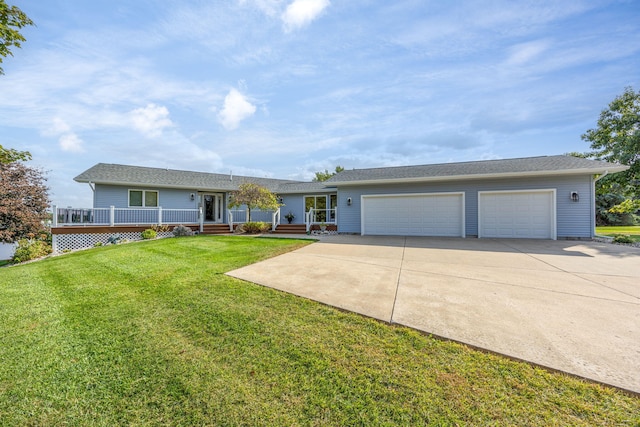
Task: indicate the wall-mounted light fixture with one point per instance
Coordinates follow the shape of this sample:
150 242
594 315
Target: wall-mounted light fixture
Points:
574 196
280 200
349 201
192 196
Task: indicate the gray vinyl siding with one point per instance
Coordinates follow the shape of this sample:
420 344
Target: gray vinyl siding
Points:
574 219
118 196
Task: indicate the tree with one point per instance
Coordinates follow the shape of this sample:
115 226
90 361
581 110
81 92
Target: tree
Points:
23 201
8 155
323 176
617 139
253 196
12 19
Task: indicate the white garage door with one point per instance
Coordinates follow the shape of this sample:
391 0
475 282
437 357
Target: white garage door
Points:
522 214
433 214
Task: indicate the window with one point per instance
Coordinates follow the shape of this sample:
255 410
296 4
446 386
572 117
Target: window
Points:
319 204
143 198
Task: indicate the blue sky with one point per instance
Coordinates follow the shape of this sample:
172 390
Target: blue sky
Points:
284 88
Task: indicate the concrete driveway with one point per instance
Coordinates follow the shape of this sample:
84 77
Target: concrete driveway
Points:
568 305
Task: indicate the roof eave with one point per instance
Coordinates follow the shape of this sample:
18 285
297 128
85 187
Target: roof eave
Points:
331 189
142 184
587 171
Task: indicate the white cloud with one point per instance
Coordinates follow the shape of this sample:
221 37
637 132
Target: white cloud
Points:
525 52
236 109
301 12
150 120
59 126
71 142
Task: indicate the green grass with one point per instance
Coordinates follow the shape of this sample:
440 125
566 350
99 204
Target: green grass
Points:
632 231
154 333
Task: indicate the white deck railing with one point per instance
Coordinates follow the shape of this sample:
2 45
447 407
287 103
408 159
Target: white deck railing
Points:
149 216
239 216
320 216
275 220
123 216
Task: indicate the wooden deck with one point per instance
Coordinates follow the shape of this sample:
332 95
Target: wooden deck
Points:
212 229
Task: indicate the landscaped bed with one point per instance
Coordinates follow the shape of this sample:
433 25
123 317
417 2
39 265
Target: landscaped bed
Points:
154 333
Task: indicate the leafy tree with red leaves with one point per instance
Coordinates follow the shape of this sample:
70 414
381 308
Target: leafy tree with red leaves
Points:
24 200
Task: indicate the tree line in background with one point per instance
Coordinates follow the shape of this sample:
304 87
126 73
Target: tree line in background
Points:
616 139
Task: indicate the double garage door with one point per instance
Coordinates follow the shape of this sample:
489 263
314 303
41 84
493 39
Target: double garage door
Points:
501 214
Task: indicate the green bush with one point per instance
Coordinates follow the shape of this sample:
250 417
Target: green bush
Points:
255 227
149 234
30 249
182 230
621 238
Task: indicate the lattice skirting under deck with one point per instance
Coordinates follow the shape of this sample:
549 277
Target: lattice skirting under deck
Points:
73 242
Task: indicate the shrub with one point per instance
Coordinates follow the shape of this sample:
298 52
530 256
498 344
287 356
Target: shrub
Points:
621 238
182 230
30 249
254 227
149 234
160 228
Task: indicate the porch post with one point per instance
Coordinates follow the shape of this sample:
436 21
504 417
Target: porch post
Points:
159 215
201 218
275 220
112 215
54 219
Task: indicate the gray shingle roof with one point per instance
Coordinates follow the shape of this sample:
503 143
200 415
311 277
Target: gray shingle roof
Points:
104 173
528 166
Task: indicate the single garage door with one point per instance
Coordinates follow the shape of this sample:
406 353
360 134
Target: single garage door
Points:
517 214
433 214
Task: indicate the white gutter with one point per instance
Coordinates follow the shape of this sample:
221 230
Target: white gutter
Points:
601 176
467 177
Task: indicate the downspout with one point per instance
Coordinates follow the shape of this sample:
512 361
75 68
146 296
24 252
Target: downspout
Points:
593 205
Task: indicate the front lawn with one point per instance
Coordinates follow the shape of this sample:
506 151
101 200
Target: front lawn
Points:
632 231
153 333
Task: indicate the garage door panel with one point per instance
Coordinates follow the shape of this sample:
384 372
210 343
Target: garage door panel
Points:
525 214
414 215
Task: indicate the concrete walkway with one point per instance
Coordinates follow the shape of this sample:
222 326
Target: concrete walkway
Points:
572 306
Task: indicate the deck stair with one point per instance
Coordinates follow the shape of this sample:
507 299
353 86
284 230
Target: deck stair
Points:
216 229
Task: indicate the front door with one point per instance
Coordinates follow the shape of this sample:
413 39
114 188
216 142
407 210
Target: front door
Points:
212 207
